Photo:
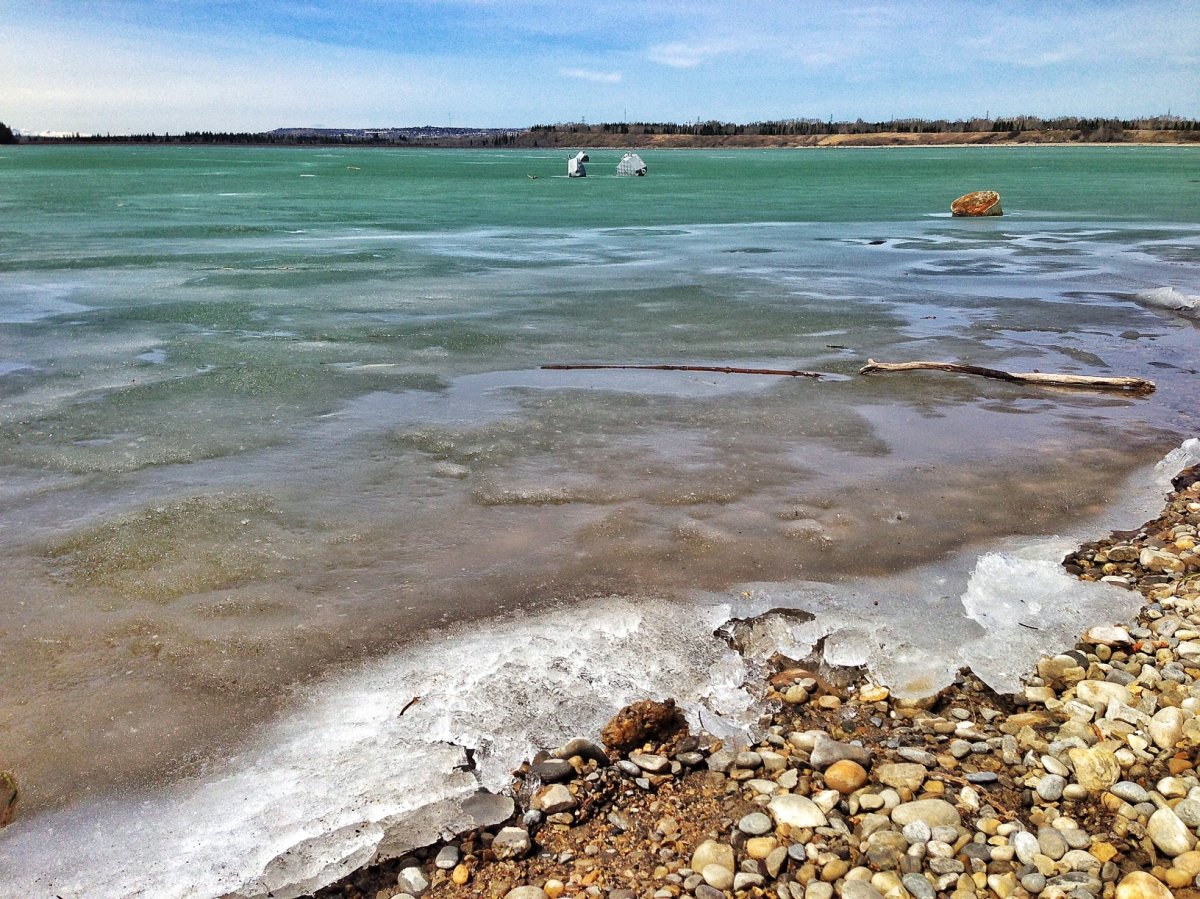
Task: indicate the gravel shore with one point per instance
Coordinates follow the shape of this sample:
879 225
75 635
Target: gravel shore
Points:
1082 786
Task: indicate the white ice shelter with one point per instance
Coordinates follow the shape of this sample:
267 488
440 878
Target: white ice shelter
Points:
575 167
631 164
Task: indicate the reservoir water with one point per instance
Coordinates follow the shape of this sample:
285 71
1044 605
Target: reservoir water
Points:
277 456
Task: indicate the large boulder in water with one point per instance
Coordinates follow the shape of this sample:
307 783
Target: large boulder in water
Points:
978 202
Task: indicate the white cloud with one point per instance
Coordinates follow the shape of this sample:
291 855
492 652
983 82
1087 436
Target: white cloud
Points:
589 75
687 56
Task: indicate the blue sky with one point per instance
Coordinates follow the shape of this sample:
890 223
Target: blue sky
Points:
125 66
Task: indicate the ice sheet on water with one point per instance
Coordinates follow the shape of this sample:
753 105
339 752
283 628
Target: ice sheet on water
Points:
1171 299
348 778
995 613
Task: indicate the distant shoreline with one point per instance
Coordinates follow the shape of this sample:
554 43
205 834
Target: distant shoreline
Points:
597 140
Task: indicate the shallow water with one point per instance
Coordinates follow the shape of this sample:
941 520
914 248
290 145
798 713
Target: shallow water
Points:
261 431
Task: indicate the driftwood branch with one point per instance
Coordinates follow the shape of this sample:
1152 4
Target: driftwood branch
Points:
1132 385
720 369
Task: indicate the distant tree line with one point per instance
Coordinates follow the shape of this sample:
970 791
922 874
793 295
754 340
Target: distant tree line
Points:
483 138
1095 128
1074 128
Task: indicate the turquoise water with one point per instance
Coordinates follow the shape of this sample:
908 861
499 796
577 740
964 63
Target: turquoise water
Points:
268 414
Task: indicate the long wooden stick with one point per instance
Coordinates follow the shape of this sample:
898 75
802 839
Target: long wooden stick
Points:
721 369
1133 385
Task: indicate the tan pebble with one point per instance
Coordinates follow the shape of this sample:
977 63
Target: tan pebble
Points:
888 882
795 695
1188 862
934 787
829 701
460 875
845 776
554 888
1179 765
1105 852
758 848
1177 879
873 693
834 869
1140 885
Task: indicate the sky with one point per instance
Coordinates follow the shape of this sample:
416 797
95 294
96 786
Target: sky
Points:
137 66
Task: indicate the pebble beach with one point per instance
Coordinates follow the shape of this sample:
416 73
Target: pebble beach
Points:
1083 785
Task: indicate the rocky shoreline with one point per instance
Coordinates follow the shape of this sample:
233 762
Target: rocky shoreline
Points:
1083 786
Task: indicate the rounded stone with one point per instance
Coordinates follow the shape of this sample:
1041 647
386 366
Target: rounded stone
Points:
1034 882
1052 843
1166 727
758 848
1131 792
527 892
1169 833
412 880
859 889
1140 885
710 852
717 876
845 776
917 832
1188 811
655 764
934 812
919 886
743 880
755 824
798 811
819 889
901 775
1188 862
1050 787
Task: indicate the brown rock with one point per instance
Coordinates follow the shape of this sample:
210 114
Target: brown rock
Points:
845 776
979 202
643 722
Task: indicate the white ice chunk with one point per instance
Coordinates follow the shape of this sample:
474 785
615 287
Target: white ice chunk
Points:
1170 298
1028 604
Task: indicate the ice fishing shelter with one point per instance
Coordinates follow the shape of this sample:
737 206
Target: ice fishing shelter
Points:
575 167
631 164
